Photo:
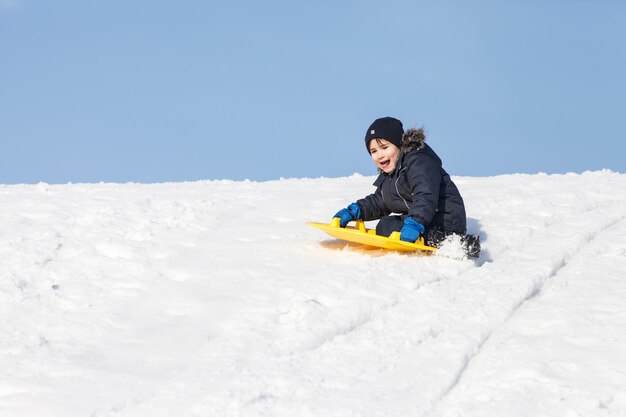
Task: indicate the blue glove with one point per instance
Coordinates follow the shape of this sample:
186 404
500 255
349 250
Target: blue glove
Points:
352 212
411 230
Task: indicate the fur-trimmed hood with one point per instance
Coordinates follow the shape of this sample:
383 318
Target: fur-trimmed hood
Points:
413 139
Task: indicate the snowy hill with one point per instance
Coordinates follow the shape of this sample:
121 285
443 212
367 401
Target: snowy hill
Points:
214 299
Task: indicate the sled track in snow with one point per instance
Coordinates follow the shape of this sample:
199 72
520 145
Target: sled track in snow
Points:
535 291
383 309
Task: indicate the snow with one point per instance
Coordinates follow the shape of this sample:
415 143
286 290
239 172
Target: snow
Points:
214 298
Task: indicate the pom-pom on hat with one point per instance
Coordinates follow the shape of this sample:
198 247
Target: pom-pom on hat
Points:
387 128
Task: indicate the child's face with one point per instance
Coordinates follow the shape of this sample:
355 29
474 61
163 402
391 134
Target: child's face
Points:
384 154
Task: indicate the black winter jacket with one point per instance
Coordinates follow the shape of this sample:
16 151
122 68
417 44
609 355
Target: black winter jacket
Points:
419 187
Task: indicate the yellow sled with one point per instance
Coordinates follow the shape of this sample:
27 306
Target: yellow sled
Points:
360 234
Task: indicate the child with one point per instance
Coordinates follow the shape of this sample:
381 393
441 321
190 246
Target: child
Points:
413 184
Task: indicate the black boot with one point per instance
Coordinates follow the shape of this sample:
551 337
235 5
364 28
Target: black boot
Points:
470 243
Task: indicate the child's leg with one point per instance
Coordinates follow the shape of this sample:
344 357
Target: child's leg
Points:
388 224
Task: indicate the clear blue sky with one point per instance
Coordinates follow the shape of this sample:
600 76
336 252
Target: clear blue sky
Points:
151 91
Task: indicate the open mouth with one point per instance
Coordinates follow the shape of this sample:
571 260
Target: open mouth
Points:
384 164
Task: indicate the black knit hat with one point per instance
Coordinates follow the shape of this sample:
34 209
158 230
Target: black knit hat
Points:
386 128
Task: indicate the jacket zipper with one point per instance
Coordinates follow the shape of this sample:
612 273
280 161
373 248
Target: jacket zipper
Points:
398 191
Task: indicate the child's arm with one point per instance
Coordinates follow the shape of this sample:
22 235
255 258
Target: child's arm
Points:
372 206
367 208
